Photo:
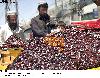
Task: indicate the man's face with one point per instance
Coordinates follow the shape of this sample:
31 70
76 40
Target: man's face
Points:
43 14
61 27
43 10
12 22
13 19
97 2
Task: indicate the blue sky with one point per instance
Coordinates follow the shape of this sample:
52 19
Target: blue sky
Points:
27 9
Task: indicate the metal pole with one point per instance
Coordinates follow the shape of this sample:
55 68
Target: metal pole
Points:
56 7
71 14
7 8
62 5
56 10
6 5
17 13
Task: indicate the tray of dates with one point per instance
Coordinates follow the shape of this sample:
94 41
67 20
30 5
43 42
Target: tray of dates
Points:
69 50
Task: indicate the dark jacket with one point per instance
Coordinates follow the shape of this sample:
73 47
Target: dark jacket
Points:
39 27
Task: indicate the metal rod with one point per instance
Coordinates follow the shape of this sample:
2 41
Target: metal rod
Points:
16 4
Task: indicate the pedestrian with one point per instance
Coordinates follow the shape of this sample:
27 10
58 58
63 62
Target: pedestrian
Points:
97 2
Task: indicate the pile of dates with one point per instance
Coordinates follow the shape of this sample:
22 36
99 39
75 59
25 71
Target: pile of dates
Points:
81 52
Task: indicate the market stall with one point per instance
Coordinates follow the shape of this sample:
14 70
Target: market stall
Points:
70 50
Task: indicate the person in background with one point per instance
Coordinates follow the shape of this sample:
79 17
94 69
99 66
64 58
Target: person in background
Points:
97 2
60 27
39 23
11 28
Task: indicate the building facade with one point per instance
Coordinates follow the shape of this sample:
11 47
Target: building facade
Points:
61 11
73 10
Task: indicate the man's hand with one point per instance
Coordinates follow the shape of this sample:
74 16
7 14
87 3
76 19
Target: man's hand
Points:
97 2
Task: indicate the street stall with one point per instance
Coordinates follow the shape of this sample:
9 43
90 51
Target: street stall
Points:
70 50
77 47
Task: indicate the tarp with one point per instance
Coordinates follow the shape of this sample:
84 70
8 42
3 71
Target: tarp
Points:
88 23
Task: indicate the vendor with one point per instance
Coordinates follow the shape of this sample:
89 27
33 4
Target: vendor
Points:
11 27
39 23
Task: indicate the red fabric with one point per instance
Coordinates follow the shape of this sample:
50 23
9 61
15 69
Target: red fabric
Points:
88 24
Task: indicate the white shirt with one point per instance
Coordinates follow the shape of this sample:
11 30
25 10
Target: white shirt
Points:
5 33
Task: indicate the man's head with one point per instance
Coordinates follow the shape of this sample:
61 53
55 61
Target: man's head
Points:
12 20
43 8
61 25
97 2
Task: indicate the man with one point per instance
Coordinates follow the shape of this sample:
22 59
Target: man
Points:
38 23
97 2
10 28
61 26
